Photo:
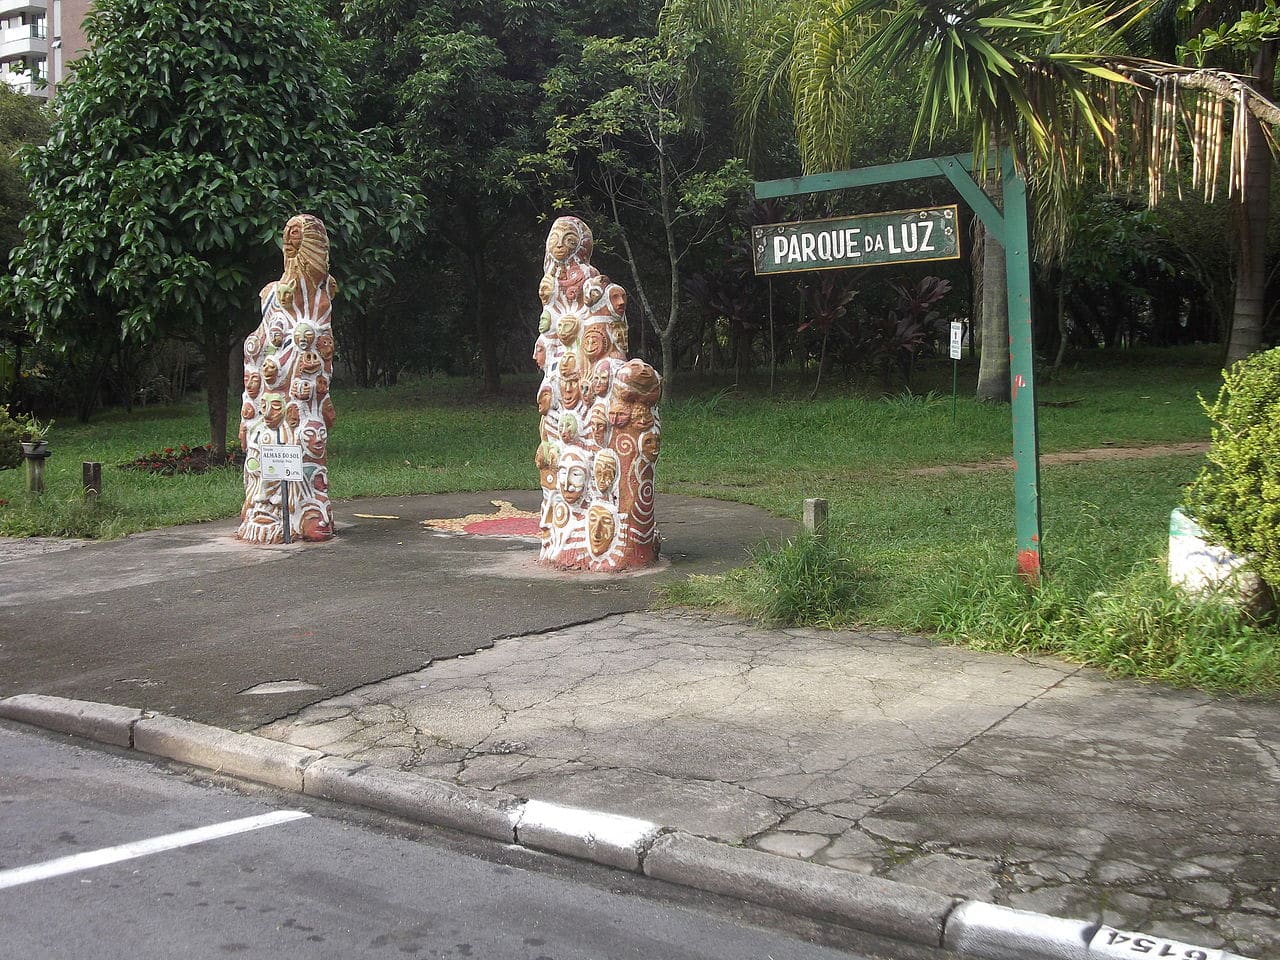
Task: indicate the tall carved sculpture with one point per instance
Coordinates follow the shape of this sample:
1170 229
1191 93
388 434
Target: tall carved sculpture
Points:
288 366
600 431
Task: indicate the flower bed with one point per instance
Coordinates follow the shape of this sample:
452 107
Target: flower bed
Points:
185 459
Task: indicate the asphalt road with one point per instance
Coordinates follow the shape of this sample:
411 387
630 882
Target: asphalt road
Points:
184 620
325 884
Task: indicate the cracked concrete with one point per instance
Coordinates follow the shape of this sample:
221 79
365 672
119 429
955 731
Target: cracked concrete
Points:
1030 783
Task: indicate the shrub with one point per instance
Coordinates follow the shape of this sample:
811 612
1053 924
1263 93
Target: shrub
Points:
11 432
805 582
1237 494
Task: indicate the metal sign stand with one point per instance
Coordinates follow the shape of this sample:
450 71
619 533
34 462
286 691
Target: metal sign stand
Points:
1011 230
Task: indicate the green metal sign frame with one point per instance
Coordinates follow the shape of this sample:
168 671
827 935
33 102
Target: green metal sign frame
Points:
1011 229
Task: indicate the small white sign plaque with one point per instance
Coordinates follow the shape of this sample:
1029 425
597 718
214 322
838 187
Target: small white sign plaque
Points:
1110 942
281 461
957 339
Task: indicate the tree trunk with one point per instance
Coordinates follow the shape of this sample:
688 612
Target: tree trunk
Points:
1064 331
668 362
993 363
217 352
1252 214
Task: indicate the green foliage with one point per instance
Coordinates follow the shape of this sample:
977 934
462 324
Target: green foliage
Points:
806 581
626 143
189 134
459 86
1136 626
1244 35
1237 494
10 440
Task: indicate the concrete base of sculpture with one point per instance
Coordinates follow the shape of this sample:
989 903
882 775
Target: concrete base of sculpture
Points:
600 429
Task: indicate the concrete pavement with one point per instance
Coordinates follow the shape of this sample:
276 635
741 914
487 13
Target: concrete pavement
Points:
1029 783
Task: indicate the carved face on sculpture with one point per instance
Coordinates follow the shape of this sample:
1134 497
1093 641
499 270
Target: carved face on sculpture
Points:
314 440
617 301
270 371
322 387
314 525
275 336
310 363
567 328
572 477
601 527
252 383
272 409
540 354
293 415
593 290
639 381
600 375
598 423
570 385
306 247
545 289
568 428
301 389
544 401
292 237
304 335
247 410
651 444
324 346
619 412
569 237
595 342
606 470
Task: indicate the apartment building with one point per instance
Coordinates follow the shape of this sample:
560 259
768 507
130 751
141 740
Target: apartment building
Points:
38 41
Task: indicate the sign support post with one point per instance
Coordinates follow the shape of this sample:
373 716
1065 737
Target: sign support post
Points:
282 462
1011 230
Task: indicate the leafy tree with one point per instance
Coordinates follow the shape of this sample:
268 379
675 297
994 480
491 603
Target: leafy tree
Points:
460 85
624 144
189 134
23 120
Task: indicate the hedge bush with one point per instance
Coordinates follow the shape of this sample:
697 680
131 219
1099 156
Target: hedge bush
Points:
1237 493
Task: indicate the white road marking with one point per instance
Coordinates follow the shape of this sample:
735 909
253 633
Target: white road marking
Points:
142 848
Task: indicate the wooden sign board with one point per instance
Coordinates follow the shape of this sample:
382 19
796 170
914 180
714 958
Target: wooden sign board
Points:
873 239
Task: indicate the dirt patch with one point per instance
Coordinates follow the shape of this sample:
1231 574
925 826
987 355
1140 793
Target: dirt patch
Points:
1071 456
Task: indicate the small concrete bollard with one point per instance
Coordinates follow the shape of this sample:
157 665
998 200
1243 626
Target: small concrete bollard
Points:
35 472
91 471
815 517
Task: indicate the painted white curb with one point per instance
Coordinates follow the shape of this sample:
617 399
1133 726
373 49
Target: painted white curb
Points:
902 911
606 838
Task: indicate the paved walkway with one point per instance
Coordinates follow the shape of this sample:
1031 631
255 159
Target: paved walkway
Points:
1028 782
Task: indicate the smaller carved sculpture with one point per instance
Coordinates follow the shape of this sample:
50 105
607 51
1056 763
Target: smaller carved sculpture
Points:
288 365
599 428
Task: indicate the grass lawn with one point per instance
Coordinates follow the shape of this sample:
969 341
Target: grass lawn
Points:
914 540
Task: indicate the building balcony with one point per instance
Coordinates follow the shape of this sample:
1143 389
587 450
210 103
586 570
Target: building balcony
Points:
25 83
26 42
14 8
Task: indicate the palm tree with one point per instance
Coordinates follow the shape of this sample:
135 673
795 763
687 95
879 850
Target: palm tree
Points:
1055 81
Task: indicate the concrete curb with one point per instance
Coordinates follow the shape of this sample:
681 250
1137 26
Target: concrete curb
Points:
969 928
